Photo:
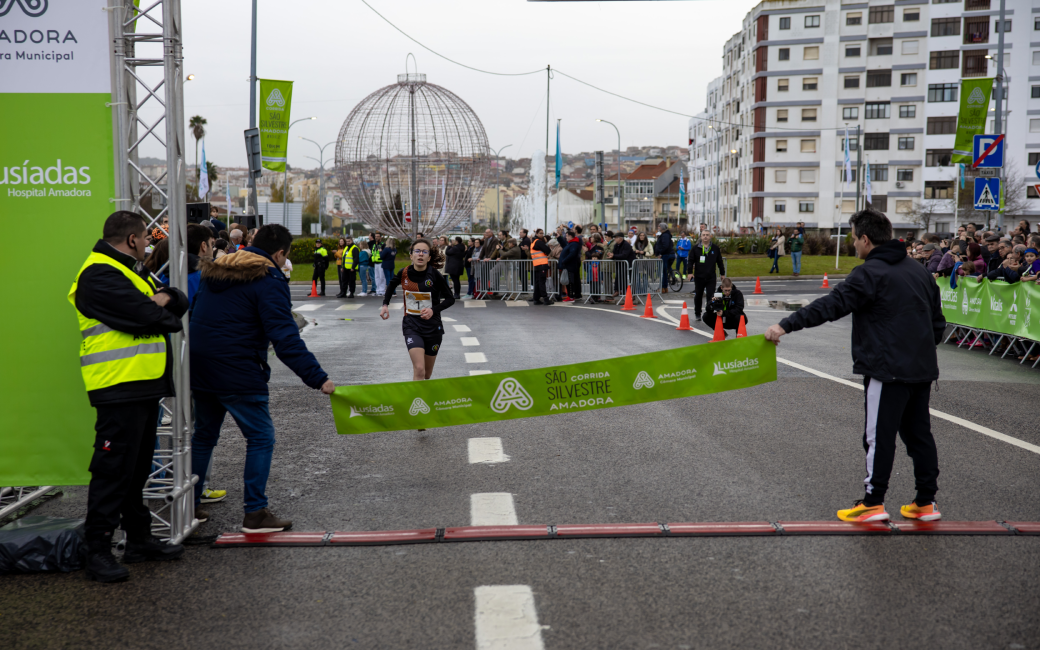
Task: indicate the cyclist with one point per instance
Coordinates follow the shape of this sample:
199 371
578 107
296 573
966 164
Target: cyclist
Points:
426 295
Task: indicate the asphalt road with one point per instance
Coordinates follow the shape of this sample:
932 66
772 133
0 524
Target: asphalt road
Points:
789 450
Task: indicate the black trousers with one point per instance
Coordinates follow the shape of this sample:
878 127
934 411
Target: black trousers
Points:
119 469
893 407
574 286
319 276
729 321
540 274
699 286
347 281
456 281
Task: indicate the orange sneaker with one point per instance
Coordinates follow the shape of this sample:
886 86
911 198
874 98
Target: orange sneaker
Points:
929 512
861 513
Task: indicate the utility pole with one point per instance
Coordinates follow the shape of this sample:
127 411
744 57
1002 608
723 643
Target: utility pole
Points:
997 122
252 111
548 89
859 165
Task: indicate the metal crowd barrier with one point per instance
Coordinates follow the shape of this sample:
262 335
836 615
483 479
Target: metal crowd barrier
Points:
646 278
604 279
510 278
973 337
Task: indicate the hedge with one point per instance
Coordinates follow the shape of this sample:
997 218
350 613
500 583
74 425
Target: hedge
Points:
302 250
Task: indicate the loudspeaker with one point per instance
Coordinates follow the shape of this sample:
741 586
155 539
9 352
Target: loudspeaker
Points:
250 221
198 212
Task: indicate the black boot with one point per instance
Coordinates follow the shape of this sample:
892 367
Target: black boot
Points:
151 549
102 566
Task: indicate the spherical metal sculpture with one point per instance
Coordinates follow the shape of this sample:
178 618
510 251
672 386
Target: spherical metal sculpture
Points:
413 157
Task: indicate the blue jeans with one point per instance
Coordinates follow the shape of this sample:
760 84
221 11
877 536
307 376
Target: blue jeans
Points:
667 259
796 261
389 274
366 277
776 264
252 416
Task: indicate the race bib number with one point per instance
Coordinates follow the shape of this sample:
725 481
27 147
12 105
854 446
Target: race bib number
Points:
416 301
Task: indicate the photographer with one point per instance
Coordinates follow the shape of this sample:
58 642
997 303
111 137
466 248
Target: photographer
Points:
728 304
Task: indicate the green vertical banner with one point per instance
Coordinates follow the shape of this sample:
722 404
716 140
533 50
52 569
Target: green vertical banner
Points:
971 119
571 388
275 101
994 306
56 177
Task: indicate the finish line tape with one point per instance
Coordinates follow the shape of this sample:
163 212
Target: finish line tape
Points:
576 531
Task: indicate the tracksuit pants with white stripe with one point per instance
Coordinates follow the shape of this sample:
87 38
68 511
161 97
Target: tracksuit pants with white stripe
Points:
894 407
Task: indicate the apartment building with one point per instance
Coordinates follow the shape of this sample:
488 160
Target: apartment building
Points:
800 72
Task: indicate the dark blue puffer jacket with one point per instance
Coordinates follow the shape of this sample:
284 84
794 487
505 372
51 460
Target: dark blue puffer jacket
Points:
242 304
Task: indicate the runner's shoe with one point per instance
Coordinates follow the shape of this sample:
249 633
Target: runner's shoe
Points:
212 496
929 512
863 513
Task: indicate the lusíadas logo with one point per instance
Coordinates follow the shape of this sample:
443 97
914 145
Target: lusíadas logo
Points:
35 174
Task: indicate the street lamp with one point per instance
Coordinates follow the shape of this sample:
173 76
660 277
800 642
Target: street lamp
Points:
321 177
285 171
498 197
189 77
621 222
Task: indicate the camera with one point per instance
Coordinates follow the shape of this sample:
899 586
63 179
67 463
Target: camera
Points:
716 302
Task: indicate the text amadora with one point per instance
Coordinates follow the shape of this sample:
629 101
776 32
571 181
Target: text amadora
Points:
678 375
735 366
580 404
378 409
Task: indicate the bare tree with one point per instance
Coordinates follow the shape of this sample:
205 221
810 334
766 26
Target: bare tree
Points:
924 213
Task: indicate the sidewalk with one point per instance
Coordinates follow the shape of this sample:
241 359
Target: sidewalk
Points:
791 277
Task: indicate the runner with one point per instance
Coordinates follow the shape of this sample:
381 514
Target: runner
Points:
426 295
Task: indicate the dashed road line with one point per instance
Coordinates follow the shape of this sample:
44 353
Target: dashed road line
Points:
486 450
475 357
492 509
469 341
349 307
311 306
517 303
471 304
396 305
461 328
506 619
479 372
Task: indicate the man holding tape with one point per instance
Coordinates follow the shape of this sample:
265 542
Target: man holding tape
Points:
897 322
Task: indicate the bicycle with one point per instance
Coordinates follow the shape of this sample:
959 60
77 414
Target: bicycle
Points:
675 280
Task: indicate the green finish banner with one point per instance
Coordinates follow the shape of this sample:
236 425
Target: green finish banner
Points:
275 100
994 306
571 388
971 119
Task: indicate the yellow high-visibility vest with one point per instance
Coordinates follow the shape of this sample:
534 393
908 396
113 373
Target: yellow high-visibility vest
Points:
377 255
348 257
108 357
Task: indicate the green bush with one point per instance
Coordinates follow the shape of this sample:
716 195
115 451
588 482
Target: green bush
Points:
302 250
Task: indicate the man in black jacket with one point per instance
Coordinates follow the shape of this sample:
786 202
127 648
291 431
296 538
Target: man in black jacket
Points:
622 253
704 257
665 249
126 359
897 322
731 307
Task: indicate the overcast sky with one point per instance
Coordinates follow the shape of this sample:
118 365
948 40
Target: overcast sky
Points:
339 51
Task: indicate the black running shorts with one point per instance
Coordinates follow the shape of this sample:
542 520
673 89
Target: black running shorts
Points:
429 343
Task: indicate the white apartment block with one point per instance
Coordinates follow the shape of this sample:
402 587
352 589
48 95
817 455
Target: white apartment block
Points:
800 71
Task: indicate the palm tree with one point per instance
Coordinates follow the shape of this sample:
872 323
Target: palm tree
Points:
197 124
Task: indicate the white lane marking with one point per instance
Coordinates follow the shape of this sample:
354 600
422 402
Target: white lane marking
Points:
506 619
461 328
996 435
487 450
470 304
349 307
311 306
517 303
447 320
492 509
475 357
397 305
469 341
480 372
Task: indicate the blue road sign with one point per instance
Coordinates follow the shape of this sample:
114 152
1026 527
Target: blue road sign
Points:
981 144
1037 169
987 193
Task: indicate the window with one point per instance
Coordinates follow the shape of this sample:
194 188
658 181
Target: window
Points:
1036 24
975 64
785 23
855 18
885 14
881 47
784 54
809 83
781 146
911 15
976 30
780 206
808 114
850 113
1034 158
812 21
781 85
852 50
908 79
938 189
908 110
780 176
1031 192
878 173
875 142
807 176
909 47
946 27
877 110
811 53
903 207
808 146
781 115
879 78
976 5
1007 26
906 143
880 203
806 206
942 92
852 82
1034 92
944 60
937 157
854 175
1034 126
848 206
853 144
904 174
1036 58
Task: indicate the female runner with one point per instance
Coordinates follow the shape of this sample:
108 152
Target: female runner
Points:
426 295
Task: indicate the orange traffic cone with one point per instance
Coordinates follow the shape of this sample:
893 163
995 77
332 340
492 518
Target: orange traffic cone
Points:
684 319
826 285
649 311
720 334
628 306
742 328
758 285
314 289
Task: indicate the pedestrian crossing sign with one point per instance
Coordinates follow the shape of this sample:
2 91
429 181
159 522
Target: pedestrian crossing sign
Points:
987 194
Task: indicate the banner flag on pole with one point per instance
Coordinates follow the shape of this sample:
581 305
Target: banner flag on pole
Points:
559 158
960 173
848 160
572 388
682 192
275 102
971 118
870 196
203 174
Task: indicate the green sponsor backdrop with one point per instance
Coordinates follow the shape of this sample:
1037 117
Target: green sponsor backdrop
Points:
971 119
994 306
275 101
46 423
636 379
